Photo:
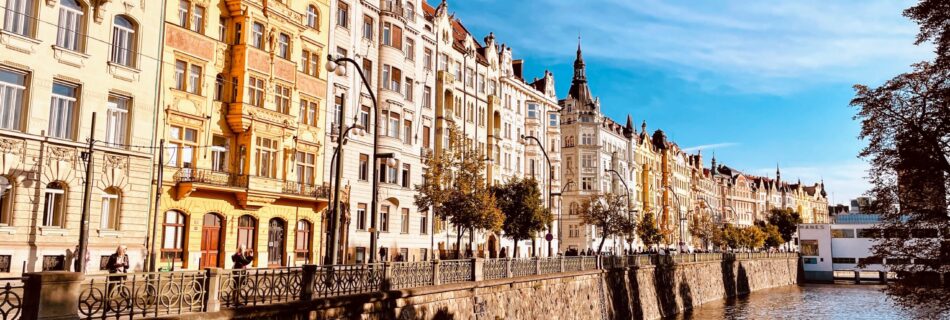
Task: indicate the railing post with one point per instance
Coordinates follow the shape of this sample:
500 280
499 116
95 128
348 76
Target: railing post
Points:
478 269
508 273
386 284
307 277
436 272
213 287
537 265
51 295
560 261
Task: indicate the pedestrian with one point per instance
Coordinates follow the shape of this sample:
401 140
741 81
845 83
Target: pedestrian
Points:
242 258
504 252
118 265
76 261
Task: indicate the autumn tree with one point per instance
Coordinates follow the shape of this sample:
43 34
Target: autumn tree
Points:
647 231
753 237
520 200
703 228
786 221
773 237
608 213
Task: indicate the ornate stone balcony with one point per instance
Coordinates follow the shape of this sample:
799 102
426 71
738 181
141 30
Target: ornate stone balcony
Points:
241 115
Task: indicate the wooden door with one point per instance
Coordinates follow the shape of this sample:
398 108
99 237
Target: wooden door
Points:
211 241
275 243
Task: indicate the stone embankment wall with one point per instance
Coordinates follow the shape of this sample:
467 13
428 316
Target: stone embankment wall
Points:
633 293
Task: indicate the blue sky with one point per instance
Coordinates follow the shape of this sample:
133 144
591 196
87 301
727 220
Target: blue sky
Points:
756 82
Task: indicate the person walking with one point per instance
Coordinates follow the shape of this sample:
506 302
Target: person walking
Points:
241 259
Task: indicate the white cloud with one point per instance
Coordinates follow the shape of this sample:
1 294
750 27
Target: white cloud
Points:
711 146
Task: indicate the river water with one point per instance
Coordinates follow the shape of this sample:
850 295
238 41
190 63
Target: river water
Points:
809 301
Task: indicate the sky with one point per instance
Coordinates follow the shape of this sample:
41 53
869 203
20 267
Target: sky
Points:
758 83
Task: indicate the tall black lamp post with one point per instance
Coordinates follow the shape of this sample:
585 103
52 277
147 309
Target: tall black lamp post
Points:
549 236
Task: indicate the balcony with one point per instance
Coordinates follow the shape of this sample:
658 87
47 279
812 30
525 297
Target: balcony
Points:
304 190
241 115
189 180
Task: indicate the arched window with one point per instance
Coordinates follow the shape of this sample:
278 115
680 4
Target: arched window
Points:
123 41
110 209
247 233
18 17
6 201
276 239
173 231
71 24
313 17
302 240
54 212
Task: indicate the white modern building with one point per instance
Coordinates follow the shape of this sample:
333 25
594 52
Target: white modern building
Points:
826 248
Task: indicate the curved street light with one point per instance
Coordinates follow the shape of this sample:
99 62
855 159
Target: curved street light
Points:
548 237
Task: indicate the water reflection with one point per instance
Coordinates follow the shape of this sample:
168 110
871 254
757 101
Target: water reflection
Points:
808 302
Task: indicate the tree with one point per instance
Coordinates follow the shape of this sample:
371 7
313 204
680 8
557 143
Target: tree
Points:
732 237
703 228
608 214
455 187
753 237
786 220
520 200
647 230
773 238
906 122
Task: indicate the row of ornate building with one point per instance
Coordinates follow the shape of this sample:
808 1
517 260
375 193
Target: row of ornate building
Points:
214 126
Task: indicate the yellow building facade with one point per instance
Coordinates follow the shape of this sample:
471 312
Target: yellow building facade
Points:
243 90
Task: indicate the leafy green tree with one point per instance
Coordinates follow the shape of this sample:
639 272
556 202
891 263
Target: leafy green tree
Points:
732 237
702 227
753 237
647 230
608 214
786 220
520 200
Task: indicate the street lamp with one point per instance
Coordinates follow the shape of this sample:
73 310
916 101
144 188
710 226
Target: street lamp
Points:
627 190
560 227
336 65
679 213
548 237
337 166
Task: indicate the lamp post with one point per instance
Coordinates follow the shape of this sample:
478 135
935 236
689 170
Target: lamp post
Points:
336 233
548 237
336 65
679 214
627 190
559 225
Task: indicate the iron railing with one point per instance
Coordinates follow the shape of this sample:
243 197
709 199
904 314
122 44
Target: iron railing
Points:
339 280
454 271
241 287
147 294
11 298
523 267
305 189
550 265
411 274
210 177
495 269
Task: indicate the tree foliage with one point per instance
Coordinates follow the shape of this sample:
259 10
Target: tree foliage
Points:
786 221
647 230
520 200
608 213
703 228
906 122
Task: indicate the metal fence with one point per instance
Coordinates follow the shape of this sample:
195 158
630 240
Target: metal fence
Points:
11 298
147 294
153 294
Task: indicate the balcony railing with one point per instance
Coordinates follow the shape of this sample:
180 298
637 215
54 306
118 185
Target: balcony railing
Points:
307 190
210 177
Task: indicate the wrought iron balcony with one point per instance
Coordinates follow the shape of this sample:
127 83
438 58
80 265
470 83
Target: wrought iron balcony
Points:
307 190
210 177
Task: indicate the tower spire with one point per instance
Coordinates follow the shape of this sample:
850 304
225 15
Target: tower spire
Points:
579 89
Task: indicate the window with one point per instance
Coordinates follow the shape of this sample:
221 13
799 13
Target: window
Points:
406 178
444 62
405 221
427 97
54 212
222 28
842 233
364 167
364 117
180 67
183 7
368 70
469 77
194 79
117 120
532 111
6 202
393 124
388 173
407 131
552 120
219 87
282 98
173 231
410 49
247 233
587 139
337 111
219 153
409 89
302 240
843 260
70 25
342 14
181 146
392 78
257 35
587 183
313 17
867 233
310 63
283 46
427 59
62 109
306 165
361 216
368 27
810 247
384 218
255 92
18 17
198 19
266 157
110 210
309 112
12 91
426 141
123 41
424 224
